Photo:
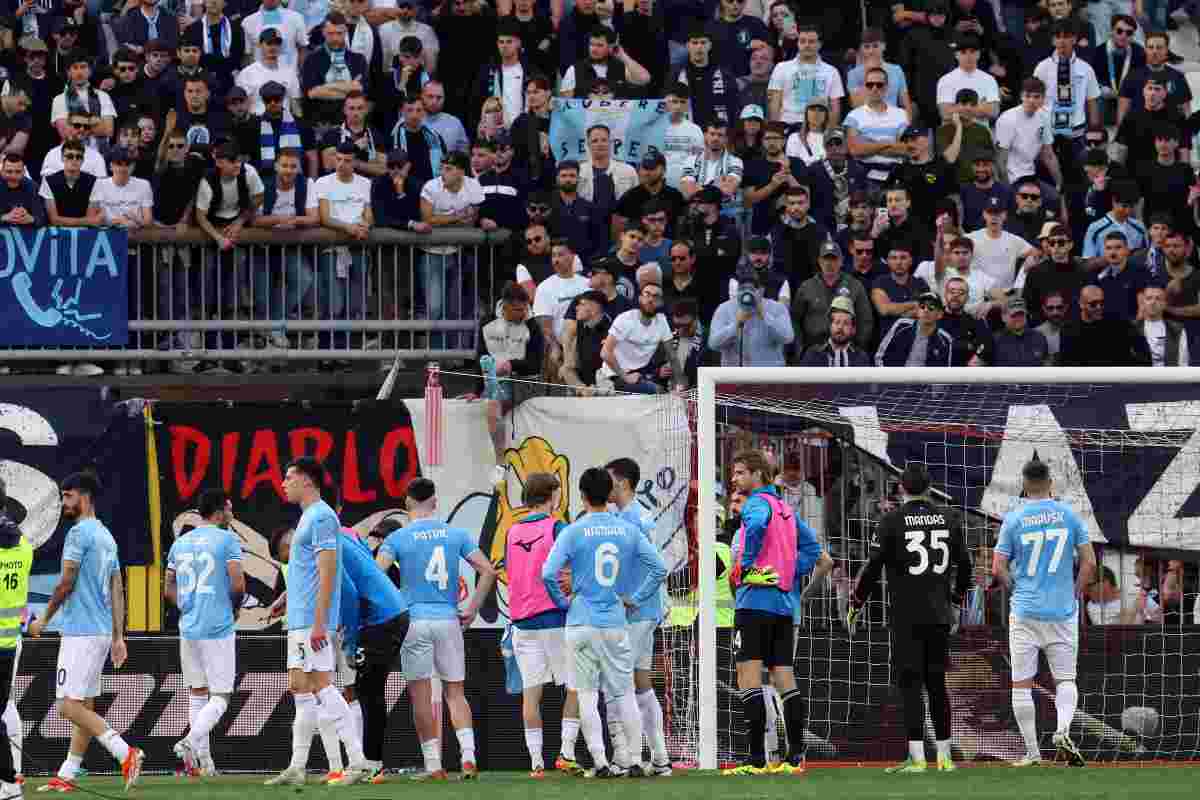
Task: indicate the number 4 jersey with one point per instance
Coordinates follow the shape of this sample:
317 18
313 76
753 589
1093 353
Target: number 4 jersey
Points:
200 560
427 553
919 544
1039 539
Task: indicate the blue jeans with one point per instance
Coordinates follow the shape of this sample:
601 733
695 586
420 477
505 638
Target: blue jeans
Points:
643 386
281 282
448 280
340 298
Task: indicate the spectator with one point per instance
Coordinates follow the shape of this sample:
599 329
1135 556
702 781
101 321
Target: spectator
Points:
682 281
1136 138
69 193
1016 345
1060 273
271 68
574 30
370 152
144 23
576 218
534 266
714 91
626 260
797 239
814 297
716 242
1095 340
1166 339
1113 60
753 86
604 60
643 37
425 148
1054 314
41 86
513 339
124 201
735 36
201 123
504 76
839 350
871 52
655 219
446 272
223 43
978 195
279 130
875 128
503 188
683 141
767 178
80 97
15 123
1025 137
362 38
164 80
686 352
773 282
898 225
396 196
530 134
968 76
536 32
716 167
331 73
293 35
408 76
1179 95
1121 220
554 297
749 329
19 201
1166 182
794 83
930 178
448 126
1120 283
833 180
894 294
965 136
1104 605
603 180
403 25
996 250
806 141
633 343
582 342
863 264
1170 593
1074 103
290 203
652 187
78 125
1031 215
970 332
929 53
917 342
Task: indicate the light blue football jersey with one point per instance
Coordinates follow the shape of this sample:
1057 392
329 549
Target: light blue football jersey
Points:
609 559
642 519
200 560
1039 539
88 609
428 553
318 530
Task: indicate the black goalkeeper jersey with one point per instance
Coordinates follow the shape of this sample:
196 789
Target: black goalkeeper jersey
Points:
920 544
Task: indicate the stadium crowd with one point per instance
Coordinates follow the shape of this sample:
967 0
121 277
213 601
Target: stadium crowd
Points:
925 185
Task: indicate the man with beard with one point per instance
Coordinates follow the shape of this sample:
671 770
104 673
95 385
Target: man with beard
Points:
713 88
424 146
797 238
681 280
582 341
832 180
717 244
1097 340
652 187
1060 274
1032 214
279 131
930 179
970 333
774 283
767 178
1054 316
753 86
331 73
979 195
41 88
576 218
633 343
604 60
815 296
575 29
222 41
534 265
839 350
448 126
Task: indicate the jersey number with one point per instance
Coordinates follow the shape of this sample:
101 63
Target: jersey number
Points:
1038 540
937 543
190 579
435 571
607 564
12 581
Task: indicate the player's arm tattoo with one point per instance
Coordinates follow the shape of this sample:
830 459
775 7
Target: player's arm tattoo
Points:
66 585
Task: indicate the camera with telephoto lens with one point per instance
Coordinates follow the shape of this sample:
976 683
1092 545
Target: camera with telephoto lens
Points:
747 297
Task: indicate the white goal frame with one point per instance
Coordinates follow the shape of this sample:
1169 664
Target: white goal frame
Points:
706 432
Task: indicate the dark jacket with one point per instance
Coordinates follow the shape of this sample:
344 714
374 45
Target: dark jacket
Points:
715 94
24 195
971 336
10 533
895 347
223 68
132 28
820 187
580 223
821 355
489 82
574 34
392 210
527 150
794 248
1109 342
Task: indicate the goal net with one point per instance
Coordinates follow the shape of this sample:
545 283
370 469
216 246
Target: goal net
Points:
1124 450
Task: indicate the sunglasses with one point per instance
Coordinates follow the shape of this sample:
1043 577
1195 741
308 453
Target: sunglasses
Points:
1059 242
1029 196
128 68
177 146
1123 31
72 157
875 85
538 208
1054 308
81 126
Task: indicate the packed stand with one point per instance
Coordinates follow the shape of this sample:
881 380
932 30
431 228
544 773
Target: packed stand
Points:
987 182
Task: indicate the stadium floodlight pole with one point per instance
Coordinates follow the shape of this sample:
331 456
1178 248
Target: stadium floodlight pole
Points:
710 377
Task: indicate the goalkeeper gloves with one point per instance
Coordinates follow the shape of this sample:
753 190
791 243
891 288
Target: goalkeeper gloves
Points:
852 619
757 576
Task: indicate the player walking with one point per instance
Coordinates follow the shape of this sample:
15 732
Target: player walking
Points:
16 559
374 624
918 543
91 594
427 553
313 615
773 549
204 579
1044 540
643 621
613 565
538 636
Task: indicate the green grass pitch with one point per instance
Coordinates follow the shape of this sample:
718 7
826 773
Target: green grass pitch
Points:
846 783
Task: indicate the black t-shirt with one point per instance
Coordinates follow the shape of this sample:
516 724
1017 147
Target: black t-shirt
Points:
928 184
419 156
612 309
631 203
588 341
1178 92
1137 133
333 137
204 129
765 214
1165 190
11 126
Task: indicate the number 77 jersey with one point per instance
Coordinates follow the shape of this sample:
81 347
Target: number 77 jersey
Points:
1039 540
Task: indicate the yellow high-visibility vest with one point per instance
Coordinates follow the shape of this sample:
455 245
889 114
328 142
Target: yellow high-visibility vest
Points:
283 568
15 564
684 613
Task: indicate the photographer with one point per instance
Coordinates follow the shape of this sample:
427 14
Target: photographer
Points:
751 330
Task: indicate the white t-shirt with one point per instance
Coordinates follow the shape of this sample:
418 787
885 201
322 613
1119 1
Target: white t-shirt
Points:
93 162
525 276
803 83
445 202
1023 136
253 76
809 147
285 202
681 144
567 84
390 34
555 294
997 258
125 201
1104 613
635 343
978 284
984 85
229 194
514 92
347 199
58 107
883 127
291 29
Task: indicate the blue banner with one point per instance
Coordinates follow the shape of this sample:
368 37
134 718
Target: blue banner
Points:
637 127
64 287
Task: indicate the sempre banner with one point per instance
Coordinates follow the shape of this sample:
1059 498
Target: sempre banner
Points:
64 287
636 126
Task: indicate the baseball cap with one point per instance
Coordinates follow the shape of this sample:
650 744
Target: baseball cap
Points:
236 93
843 304
835 134
653 159
33 44
347 148
995 205
758 244
270 36
271 90
595 295
709 194
830 249
930 297
753 112
119 155
602 265
411 45
913 132
1014 304
502 138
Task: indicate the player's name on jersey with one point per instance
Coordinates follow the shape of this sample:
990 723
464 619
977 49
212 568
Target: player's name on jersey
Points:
606 531
436 533
1043 518
918 520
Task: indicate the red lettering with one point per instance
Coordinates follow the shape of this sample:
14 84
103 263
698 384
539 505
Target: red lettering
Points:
263 448
399 449
229 449
298 442
183 437
353 491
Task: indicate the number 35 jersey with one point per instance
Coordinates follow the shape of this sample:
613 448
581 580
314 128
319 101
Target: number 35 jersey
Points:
200 560
427 554
1039 539
921 546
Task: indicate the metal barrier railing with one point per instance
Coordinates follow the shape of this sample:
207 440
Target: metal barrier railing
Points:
302 295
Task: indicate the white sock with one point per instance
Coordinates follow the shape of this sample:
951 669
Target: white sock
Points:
916 751
533 743
115 745
570 732
356 715
633 727
771 702
616 730
16 733
466 743
195 703
431 750
593 730
334 707
1026 713
70 767
206 720
303 727
1065 700
943 748
652 725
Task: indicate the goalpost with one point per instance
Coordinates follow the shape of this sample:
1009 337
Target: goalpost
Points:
1124 449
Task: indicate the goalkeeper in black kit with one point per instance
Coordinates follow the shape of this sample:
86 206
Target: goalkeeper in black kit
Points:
919 544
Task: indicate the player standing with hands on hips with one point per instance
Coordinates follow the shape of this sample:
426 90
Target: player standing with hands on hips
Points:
918 543
772 550
91 594
1043 540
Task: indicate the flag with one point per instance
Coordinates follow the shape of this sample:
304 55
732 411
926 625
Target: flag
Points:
433 418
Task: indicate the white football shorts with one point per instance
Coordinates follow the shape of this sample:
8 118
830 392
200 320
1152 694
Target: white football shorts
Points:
209 662
1058 640
603 659
301 656
542 657
80 664
434 646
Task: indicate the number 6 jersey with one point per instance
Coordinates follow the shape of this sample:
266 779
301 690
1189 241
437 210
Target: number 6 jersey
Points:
918 544
1039 539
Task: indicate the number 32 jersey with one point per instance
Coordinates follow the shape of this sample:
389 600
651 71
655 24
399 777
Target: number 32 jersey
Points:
1039 539
200 560
427 554
918 544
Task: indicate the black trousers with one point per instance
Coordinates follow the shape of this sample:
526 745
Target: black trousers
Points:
8 663
378 646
